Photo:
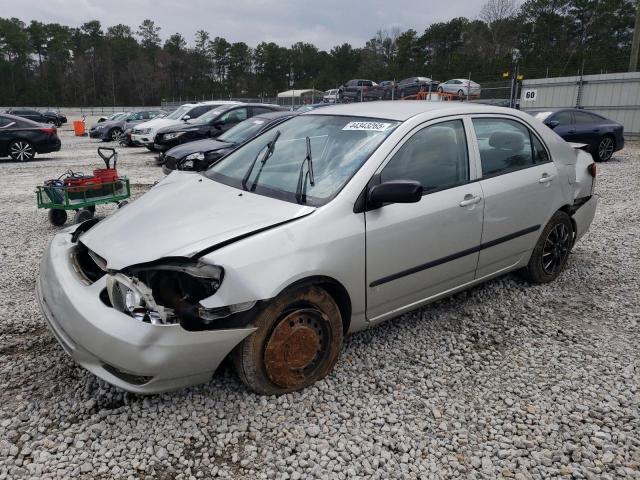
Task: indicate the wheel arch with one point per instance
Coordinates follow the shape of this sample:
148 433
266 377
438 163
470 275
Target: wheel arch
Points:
334 288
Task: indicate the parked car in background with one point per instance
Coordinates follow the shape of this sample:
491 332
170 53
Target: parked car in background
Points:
108 117
97 129
356 90
282 248
201 154
460 87
331 95
125 138
210 124
61 118
50 118
145 133
21 138
413 85
601 135
112 130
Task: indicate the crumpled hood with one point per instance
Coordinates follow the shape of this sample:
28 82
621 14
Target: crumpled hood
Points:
206 145
182 215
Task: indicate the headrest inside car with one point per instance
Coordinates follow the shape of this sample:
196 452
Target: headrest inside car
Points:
513 141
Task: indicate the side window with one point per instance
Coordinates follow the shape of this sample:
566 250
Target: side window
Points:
540 154
505 145
563 118
584 117
4 122
261 110
436 156
234 116
197 111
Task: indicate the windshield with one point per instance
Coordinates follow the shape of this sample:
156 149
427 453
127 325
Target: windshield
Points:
178 113
243 130
542 116
339 147
120 116
208 116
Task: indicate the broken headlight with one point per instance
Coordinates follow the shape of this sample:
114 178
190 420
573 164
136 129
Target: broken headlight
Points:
164 293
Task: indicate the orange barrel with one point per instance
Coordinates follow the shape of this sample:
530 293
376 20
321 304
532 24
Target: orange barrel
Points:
78 128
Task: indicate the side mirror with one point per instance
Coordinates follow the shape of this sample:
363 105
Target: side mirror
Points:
186 117
552 124
218 124
395 191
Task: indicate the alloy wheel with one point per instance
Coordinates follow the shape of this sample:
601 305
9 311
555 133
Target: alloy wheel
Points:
605 149
22 151
116 134
556 248
297 347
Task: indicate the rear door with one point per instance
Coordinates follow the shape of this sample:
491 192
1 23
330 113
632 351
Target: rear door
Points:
587 128
419 250
519 185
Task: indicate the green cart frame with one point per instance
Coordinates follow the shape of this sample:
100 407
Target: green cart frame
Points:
83 200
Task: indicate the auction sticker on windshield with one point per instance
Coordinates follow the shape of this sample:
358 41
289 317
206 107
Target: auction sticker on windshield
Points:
374 126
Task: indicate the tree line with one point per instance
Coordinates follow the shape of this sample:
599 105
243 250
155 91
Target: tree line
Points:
52 64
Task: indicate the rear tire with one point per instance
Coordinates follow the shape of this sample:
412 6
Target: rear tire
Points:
21 151
605 149
57 218
550 254
297 342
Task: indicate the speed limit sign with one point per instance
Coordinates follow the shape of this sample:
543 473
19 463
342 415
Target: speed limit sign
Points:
529 95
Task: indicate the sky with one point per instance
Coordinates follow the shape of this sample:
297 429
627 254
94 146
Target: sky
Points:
324 23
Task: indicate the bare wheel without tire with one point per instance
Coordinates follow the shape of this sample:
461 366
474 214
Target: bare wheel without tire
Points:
605 149
552 250
297 342
21 150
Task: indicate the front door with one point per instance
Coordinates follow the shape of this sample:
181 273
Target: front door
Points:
419 250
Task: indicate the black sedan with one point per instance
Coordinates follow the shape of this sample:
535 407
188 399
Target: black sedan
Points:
209 125
49 117
201 154
414 85
603 136
21 139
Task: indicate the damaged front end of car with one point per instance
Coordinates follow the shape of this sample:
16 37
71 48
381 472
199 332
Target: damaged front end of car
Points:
164 292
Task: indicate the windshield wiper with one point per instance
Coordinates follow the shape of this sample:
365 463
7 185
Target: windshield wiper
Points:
270 148
301 197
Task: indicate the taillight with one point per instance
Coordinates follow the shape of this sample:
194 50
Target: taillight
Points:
49 131
592 170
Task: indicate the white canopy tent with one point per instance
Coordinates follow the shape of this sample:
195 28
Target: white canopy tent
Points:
299 97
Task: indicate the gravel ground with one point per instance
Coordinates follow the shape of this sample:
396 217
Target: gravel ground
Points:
503 381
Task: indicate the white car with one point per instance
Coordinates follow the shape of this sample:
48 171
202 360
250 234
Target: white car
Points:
331 222
460 87
145 133
331 96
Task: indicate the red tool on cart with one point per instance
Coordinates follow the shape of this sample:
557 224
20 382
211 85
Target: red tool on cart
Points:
75 191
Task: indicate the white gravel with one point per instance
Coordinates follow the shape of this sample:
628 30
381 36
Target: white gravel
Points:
503 381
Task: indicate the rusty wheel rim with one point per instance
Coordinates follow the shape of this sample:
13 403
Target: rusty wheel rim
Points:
297 348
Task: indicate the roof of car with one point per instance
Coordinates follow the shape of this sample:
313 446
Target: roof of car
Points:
405 109
16 118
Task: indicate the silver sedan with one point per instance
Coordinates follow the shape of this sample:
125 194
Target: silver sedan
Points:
331 222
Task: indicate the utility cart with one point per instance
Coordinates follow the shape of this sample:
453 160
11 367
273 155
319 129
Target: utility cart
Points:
81 193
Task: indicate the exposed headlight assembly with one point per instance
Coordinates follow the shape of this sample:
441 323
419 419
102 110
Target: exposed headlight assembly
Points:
166 293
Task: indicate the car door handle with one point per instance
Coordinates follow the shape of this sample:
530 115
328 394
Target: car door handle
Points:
596 129
470 200
571 131
546 178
